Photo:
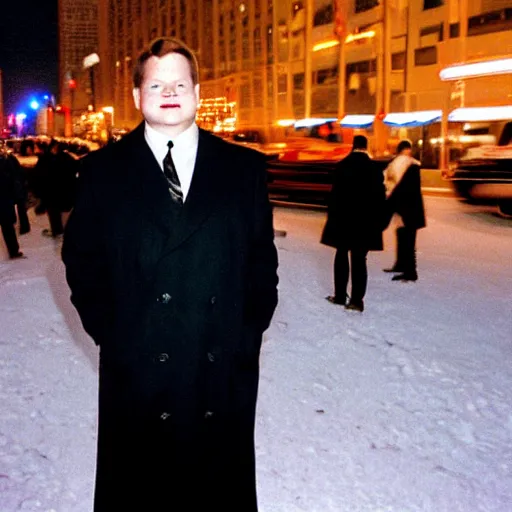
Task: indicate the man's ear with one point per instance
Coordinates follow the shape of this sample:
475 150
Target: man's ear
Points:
196 91
136 97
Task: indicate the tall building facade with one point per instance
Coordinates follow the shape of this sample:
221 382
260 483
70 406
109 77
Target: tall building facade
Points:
281 59
78 38
2 122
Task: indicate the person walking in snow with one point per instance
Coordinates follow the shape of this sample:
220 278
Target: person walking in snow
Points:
21 194
170 258
403 192
9 197
55 175
354 222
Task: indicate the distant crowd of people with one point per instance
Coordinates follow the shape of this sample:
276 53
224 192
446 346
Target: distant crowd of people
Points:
51 184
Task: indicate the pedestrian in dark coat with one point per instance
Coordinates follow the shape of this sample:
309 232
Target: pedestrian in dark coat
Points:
355 220
55 175
21 193
170 258
9 195
403 192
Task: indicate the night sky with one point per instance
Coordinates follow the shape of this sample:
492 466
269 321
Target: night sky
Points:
28 50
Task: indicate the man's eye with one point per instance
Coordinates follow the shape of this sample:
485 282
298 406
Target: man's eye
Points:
182 85
154 86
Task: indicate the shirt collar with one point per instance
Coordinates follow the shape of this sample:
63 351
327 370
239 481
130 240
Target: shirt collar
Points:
185 139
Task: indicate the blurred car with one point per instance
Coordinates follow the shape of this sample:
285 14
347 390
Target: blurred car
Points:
254 139
484 173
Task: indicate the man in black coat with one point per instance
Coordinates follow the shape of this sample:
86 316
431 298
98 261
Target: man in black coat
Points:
403 190
171 262
55 174
21 194
9 196
354 222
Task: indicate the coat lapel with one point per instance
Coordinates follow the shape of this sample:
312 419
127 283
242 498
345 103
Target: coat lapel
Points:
205 192
149 182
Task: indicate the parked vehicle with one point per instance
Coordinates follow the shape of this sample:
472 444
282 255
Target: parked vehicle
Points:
484 173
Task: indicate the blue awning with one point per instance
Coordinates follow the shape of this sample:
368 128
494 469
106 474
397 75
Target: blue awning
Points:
413 119
357 120
313 121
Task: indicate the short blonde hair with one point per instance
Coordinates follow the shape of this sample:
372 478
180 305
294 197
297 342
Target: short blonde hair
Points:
160 47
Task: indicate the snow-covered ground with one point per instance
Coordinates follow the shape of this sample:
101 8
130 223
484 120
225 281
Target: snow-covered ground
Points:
406 407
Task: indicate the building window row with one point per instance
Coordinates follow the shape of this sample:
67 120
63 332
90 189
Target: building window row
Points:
324 15
365 5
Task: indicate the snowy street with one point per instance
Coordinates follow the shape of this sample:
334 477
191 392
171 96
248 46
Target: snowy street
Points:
403 408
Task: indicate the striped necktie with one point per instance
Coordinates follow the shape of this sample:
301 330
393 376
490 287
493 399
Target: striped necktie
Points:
172 177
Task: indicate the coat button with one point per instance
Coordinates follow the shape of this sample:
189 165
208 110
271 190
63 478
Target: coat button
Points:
211 357
164 416
163 357
208 414
213 300
165 298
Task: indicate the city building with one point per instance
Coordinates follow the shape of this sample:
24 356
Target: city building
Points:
78 38
2 124
279 60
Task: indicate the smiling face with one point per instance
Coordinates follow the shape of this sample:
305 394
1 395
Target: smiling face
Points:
167 96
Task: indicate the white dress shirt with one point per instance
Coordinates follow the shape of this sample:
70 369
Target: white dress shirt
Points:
183 152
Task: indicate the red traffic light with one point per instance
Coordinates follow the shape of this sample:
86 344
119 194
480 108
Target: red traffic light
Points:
72 83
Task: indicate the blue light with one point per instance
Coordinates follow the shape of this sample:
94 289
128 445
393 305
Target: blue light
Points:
34 105
46 97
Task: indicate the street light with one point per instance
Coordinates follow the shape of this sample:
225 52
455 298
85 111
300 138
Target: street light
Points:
88 63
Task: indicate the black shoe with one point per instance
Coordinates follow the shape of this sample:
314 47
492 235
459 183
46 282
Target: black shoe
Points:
406 276
355 306
333 300
18 255
394 268
48 233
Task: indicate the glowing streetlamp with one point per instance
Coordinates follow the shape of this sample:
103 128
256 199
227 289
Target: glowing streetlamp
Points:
88 63
109 110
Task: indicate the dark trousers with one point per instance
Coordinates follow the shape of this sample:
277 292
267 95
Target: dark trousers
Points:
55 218
406 250
23 218
11 241
357 270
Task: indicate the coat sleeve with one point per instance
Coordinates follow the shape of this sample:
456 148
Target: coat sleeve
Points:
262 267
85 260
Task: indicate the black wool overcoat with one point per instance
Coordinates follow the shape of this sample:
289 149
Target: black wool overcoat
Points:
177 298
355 215
8 195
